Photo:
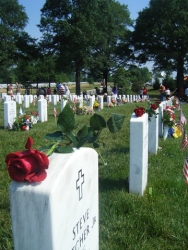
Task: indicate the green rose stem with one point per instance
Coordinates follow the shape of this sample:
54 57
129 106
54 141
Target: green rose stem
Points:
105 163
51 150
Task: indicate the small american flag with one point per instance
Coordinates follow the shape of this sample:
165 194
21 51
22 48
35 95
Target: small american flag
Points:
185 169
179 126
184 141
182 118
55 112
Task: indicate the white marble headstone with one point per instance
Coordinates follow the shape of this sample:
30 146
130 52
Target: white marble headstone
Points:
153 133
26 101
100 100
108 99
54 100
42 110
7 98
19 99
160 126
60 213
30 98
9 113
91 101
63 103
138 169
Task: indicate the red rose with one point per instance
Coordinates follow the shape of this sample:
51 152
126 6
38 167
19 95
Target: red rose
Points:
28 165
153 106
24 127
27 117
139 111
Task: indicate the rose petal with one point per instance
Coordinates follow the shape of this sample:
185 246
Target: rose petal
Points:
41 158
37 177
29 143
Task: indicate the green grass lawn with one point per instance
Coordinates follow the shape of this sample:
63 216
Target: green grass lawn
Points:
158 220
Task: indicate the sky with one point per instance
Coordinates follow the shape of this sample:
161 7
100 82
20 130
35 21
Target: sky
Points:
32 8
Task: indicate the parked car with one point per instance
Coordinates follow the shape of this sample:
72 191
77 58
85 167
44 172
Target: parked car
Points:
149 84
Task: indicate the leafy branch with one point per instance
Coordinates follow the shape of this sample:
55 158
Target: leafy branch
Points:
66 138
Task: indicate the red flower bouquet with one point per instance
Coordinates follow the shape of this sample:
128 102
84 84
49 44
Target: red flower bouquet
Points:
139 111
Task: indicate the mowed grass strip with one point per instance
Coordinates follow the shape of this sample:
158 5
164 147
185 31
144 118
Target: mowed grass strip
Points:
158 220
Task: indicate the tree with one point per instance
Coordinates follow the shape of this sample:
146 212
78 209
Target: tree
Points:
68 28
84 34
13 19
112 21
161 35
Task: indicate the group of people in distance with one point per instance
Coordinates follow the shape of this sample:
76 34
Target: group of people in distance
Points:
164 93
62 89
143 92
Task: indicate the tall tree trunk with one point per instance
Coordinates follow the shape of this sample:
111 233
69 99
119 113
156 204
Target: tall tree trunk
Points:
105 78
180 76
77 81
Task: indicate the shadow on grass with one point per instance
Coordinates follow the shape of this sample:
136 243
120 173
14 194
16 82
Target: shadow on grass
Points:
109 184
118 150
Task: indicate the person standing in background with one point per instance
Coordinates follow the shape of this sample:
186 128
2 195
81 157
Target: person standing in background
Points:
144 91
167 93
10 89
17 88
162 92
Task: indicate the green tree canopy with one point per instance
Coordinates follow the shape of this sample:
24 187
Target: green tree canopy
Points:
161 35
12 22
84 35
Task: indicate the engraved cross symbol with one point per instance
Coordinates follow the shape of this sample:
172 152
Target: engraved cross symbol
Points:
79 183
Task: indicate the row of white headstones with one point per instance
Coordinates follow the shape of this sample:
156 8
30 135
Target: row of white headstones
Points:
62 212
27 100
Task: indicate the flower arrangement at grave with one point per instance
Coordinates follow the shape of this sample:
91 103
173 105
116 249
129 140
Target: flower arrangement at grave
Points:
124 100
30 165
168 118
96 105
139 111
152 110
81 110
110 105
176 133
25 122
114 102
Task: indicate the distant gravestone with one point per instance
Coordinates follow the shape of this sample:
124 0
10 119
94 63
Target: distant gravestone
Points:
26 101
108 100
80 101
60 213
63 103
9 113
54 100
41 96
49 98
42 110
7 98
101 102
30 98
3 95
19 99
153 133
138 169
130 98
160 125
91 101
